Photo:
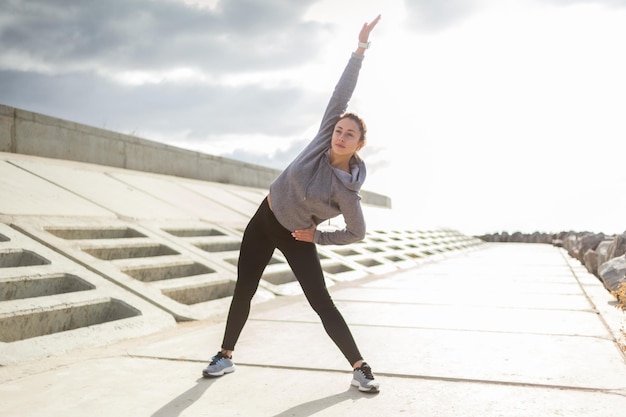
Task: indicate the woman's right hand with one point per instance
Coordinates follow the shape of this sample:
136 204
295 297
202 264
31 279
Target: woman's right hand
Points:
305 235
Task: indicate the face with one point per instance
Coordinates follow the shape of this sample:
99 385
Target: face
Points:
346 137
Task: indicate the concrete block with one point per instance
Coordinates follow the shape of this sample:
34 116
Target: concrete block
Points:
6 128
49 304
38 134
146 263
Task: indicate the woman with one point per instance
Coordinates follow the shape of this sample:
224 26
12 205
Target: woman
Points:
322 182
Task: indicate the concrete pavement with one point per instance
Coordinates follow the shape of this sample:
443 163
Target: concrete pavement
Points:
503 330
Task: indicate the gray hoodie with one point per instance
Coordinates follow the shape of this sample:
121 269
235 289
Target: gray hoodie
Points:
310 190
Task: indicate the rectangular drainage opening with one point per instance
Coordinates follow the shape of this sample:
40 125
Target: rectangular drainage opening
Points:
17 258
200 294
193 232
337 269
161 273
86 233
62 319
346 252
279 277
369 262
235 261
220 246
3 238
41 287
131 251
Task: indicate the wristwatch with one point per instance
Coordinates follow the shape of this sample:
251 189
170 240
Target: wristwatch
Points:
364 45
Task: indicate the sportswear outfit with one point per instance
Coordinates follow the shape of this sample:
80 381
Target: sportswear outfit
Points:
309 191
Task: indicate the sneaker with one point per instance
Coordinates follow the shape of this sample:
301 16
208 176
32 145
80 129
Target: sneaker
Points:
364 379
220 365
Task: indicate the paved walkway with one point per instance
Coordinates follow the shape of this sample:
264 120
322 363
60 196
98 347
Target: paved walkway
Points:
504 330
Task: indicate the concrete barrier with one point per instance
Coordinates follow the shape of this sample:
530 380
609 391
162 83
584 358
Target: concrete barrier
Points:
49 304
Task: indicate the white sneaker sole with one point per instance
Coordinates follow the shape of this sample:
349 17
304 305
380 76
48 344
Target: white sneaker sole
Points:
356 383
220 373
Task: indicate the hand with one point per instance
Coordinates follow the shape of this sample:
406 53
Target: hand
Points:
367 29
305 235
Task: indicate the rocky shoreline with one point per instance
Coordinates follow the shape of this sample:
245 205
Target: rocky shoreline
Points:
603 255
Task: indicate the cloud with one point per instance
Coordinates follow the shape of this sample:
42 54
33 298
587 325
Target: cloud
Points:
202 111
611 3
160 66
486 110
278 159
428 15
143 34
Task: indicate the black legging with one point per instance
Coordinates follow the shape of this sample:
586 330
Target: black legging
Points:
262 235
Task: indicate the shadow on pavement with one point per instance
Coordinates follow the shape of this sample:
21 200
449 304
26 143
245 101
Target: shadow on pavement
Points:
313 407
185 400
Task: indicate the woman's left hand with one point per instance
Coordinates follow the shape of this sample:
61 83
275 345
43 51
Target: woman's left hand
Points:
304 235
367 28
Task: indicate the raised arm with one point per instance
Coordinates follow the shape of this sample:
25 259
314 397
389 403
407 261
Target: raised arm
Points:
354 230
343 90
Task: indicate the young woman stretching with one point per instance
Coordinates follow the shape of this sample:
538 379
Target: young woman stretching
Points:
322 182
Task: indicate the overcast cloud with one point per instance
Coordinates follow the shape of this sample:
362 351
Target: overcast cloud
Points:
114 64
452 90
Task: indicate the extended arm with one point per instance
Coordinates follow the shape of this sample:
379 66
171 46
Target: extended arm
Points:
337 105
343 90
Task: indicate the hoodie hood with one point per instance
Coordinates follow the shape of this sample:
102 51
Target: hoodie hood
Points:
356 177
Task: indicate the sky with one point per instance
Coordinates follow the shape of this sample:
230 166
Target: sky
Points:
483 115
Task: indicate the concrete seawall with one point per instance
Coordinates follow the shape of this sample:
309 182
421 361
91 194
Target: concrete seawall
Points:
30 133
105 236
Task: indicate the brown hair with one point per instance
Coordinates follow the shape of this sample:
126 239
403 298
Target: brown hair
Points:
359 122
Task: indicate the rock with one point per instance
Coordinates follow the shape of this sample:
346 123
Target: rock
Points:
590 260
588 241
517 237
602 250
538 237
618 246
613 272
570 244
